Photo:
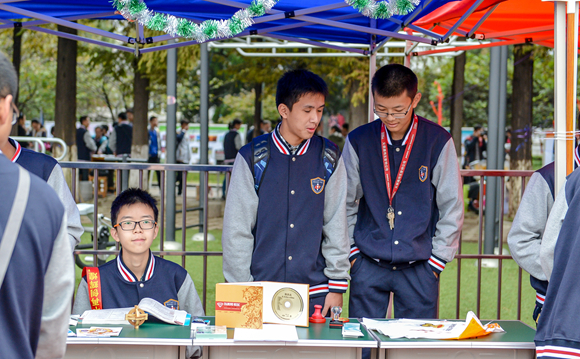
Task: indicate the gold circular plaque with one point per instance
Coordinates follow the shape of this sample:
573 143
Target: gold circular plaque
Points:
287 304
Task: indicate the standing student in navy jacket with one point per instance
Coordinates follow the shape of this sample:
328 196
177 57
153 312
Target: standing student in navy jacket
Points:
404 203
558 335
525 237
291 226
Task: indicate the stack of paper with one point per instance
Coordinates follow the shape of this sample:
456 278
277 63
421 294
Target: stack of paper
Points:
433 329
269 332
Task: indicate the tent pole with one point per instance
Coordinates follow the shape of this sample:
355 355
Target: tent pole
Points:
72 25
69 18
571 55
491 193
372 70
560 92
571 62
170 149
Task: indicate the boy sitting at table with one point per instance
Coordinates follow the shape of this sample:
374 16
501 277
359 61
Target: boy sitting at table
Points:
136 273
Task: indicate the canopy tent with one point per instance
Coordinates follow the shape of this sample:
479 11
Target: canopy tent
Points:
514 21
316 20
552 23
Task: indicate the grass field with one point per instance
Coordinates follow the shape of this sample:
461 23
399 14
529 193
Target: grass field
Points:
448 293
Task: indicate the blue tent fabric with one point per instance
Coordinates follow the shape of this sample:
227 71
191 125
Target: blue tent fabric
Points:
201 10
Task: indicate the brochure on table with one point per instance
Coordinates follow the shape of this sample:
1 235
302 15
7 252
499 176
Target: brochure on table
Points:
433 329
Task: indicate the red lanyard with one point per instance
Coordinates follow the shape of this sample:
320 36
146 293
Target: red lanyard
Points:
386 165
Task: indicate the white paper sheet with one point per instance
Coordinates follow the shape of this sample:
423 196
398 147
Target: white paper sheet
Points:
269 332
105 316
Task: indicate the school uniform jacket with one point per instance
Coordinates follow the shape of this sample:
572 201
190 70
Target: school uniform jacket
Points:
428 205
164 281
557 334
294 230
48 169
39 282
525 236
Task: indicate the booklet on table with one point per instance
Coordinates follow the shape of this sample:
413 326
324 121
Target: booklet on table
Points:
151 306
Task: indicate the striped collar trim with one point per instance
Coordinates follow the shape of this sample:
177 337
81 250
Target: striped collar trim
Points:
129 276
577 156
18 149
406 135
284 147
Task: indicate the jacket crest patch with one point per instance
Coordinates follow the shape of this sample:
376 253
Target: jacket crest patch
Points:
171 303
317 185
423 173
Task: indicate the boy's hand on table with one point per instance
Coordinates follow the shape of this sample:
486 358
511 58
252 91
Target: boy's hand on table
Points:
331 300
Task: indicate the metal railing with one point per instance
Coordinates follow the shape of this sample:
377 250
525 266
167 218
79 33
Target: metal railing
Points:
204 171
204 195
39 145
480 256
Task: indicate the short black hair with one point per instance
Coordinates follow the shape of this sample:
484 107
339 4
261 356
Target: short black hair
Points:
82 118
35 121
297 83
393 80
336 128
122 116
8 77
132 196
152 118
345 126
476 127
105 128
183 122
236 122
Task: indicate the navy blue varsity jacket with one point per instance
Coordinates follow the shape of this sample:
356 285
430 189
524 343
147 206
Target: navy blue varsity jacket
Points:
557 334
164 281
428 205
525 237
294 230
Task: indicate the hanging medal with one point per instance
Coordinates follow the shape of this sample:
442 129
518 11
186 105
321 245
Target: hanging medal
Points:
392 190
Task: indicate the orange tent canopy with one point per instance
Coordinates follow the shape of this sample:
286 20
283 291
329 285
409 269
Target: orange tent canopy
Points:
516 21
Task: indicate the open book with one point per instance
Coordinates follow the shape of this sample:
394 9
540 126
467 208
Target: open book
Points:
151 306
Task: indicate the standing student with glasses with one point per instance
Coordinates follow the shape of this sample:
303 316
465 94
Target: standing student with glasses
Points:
136 273
404 203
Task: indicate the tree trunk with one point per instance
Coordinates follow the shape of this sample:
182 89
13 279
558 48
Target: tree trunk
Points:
521 142
457 100
257 108
358 114
140 145
66 91
17 55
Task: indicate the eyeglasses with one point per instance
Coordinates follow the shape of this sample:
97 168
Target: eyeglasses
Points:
15 114
394 115
130 225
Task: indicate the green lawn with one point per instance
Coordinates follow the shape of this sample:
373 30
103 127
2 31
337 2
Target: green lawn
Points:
468 294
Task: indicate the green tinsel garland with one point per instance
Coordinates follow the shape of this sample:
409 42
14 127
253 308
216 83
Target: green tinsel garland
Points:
136 10
383 9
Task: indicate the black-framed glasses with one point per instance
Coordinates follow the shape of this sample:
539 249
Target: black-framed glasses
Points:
15 114
130 225
394 115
